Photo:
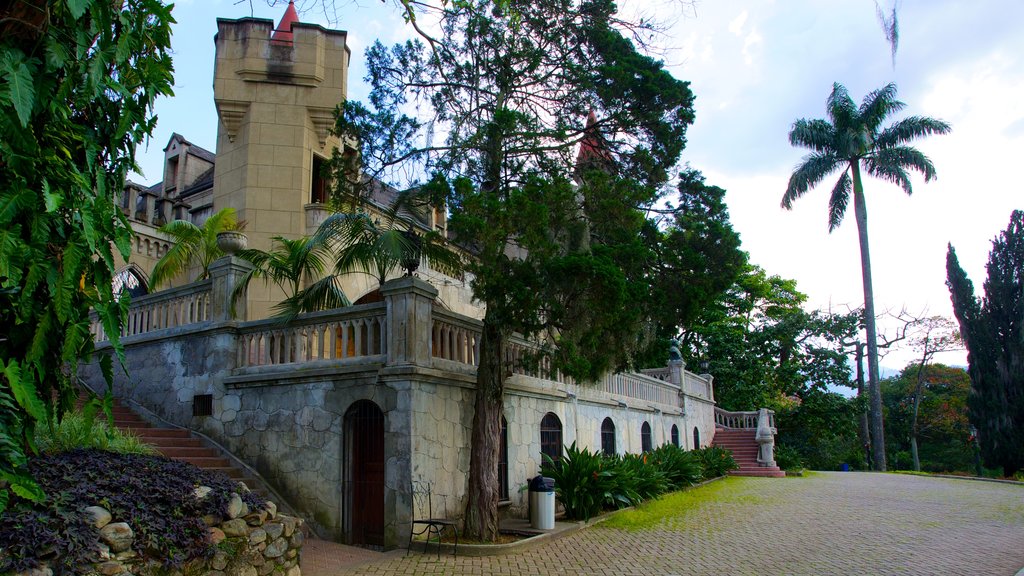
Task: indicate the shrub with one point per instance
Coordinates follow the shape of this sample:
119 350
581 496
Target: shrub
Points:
787 457
715 460
582 481
76 430
650 482
681 468
153 493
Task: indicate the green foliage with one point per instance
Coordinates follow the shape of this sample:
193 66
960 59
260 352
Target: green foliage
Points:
680 468
286 264
822 427
156 495
76 96
715 461
762 346
944 430
193 246
788 457
77 430
584 481
993 333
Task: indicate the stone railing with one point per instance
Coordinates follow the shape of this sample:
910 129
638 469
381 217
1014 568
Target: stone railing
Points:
663 373
735 420
341 334
455 338
762 422
641 387
171 308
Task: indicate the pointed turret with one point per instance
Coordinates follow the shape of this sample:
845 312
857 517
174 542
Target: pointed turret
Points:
283 32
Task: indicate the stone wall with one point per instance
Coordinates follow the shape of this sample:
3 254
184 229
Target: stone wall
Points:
248 543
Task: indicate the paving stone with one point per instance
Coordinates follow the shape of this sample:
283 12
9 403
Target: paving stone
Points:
827 523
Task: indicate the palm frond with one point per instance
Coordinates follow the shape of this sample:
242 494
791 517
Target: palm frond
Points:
877 106
817 134
841 108
187 239
891 172
324 294
904 158
839 200
910 128
811 171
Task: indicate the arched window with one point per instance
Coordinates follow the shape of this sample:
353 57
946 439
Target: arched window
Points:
646 443
503 462
608 437
675 435
129 280
696 438
551 436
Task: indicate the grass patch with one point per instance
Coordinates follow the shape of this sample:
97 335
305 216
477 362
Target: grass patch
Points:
654 512
76 431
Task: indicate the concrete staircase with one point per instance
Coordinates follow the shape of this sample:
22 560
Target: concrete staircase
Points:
744 448
179 444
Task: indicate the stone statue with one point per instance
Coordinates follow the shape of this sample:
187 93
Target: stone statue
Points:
673 350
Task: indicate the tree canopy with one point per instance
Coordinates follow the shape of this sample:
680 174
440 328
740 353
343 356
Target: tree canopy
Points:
992 328
77 84
551 208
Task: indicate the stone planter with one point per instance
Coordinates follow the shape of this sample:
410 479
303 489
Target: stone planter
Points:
232 241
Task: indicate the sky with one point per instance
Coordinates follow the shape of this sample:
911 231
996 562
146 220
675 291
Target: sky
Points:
756 66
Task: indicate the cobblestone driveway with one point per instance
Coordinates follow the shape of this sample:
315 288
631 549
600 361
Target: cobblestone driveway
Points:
829 523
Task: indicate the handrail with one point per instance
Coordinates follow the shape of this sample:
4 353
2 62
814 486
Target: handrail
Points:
741 420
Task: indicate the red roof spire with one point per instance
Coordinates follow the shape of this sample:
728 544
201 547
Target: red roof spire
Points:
591 147
283 32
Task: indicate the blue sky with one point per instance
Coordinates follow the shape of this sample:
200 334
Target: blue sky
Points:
756 66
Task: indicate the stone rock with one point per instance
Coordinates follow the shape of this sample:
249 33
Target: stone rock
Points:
103 551
216 535
265 570
289 525
118 536
256 518
276 549
243 487
271 509
291 553
258 535
126 555
273 529
202 491
236 507
257 560
235 528
109 568
297 539
219 560
293 571
43 570
215 573
98 516
241 569
211 520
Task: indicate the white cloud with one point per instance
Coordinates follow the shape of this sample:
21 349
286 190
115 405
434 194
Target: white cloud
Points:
736 25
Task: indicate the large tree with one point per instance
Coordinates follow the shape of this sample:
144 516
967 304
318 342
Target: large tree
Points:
77 84
993 332
554 227
850 140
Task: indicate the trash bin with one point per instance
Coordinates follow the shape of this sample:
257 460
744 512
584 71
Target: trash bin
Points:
844 467
542 503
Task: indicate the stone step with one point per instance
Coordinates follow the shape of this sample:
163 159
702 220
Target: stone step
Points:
773 472
205 462
178 451
174 442
147 433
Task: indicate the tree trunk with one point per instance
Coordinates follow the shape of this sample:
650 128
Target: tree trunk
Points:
482 499
863 433
918 391
874 390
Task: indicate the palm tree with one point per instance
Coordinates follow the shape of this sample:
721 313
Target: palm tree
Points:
850 139
374 245
286 264
193 245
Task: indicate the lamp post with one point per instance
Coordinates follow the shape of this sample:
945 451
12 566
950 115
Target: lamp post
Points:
411 259
976 447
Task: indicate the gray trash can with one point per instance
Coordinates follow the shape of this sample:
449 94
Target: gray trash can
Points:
542 503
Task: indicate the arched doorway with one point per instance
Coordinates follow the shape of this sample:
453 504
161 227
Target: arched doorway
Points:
364 434
696 438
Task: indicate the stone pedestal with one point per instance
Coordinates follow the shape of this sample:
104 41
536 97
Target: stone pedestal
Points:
410 304
226 273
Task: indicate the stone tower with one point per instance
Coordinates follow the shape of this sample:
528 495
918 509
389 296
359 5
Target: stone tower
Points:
275 91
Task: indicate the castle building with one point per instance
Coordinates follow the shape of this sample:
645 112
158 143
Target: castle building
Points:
343 412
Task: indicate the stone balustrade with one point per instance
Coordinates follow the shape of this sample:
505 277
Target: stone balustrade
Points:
455 338
171 308
743 420
341 334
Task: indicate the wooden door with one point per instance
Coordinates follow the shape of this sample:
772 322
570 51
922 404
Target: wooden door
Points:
364 424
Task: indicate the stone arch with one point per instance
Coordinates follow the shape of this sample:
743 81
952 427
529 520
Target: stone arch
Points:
132 279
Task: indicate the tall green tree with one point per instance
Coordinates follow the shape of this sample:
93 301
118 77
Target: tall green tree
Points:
993 332
78 80
287 264
557 249
850 139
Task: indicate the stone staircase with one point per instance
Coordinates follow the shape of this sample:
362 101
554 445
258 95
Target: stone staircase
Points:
744 448
179 444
